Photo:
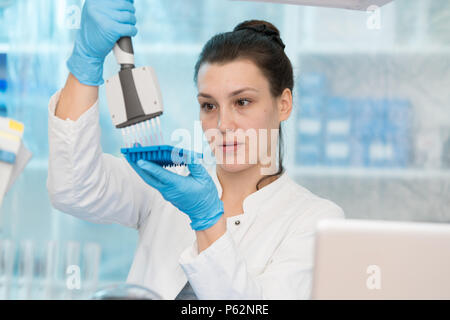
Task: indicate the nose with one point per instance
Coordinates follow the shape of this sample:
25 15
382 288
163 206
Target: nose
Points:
226 120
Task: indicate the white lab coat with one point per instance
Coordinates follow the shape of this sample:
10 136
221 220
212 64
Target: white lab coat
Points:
268 254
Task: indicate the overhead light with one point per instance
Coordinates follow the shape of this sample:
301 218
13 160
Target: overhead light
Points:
344 4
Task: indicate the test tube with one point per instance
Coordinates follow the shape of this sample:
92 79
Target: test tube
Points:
26 265
91 262
7 252
50 273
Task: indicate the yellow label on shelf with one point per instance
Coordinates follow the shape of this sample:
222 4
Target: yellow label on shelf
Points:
14 125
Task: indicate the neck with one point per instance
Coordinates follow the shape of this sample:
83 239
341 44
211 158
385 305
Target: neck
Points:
236 186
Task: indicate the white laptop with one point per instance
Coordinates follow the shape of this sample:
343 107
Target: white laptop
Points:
368 259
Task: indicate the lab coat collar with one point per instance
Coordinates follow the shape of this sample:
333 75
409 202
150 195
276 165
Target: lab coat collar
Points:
257 198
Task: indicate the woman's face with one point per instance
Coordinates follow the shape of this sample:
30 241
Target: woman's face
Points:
239 116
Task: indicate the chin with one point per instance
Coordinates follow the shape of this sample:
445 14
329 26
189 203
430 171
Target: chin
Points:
235 168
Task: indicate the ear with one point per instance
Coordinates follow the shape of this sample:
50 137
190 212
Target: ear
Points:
285 104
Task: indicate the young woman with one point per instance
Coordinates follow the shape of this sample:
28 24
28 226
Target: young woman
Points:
228 231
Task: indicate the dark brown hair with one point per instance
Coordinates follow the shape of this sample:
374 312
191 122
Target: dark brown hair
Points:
258 41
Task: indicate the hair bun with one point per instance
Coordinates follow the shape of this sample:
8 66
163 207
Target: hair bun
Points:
261 27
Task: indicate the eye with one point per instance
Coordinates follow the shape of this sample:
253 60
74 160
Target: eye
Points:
239 102
207 106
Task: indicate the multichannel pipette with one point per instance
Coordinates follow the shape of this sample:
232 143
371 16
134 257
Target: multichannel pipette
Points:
134 99
135 103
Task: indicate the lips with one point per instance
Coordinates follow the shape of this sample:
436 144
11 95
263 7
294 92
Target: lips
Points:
230 144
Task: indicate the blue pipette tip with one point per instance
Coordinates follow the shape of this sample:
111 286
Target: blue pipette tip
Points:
164 155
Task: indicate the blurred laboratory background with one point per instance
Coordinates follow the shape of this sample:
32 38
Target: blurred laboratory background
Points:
370 128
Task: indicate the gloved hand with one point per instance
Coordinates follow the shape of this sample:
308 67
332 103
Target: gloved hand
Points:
195 194
103 22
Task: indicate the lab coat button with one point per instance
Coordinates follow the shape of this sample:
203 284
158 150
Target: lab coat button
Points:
237 222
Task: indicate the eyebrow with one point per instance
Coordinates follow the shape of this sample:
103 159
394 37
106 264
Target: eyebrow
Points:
234 93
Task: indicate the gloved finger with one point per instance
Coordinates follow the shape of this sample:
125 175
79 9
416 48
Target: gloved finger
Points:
149 179
125 17
125 30
163 175
122 5
197 170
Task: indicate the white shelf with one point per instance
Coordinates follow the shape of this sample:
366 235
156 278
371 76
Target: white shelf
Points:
170 48
404 50
161 48
323 171
4 47
341 4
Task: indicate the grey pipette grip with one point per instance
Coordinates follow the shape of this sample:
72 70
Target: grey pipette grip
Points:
123 51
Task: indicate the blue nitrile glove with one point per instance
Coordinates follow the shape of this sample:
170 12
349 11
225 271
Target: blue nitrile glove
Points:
195 194
103 22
